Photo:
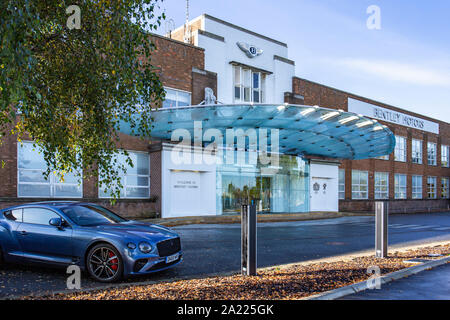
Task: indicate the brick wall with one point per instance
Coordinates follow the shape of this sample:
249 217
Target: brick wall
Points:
181 66
175 61
327 97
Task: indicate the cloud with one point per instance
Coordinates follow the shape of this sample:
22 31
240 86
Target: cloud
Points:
400 72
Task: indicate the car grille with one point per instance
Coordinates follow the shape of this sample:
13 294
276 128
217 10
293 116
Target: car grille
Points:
168 247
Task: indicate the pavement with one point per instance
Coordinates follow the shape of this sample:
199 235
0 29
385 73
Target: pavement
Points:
215 248
431 284
236 218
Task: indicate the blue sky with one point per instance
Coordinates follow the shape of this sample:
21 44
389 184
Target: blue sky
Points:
406 63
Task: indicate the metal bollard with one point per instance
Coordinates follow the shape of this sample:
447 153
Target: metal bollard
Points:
381 229
248 239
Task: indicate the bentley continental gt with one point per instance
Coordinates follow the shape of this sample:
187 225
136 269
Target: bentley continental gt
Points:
106 245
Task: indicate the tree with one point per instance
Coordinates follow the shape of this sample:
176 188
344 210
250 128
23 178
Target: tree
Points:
68 80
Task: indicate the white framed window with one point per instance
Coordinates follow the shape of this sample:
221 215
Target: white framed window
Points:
444 156
417 187
400 186
31 182
136 179
431 153
341 183
431 187
417 151
360 184
381 185
400 149
249 86
176 98
444 188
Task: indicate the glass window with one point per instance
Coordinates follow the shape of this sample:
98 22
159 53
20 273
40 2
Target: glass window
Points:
360 184
90 215
246 73
444 156
417 187
341 184
381 185
136 180
400 186
13 215
248 85
38 215
176 98
31 182
444 188
417 151
431 187
431 154
400 149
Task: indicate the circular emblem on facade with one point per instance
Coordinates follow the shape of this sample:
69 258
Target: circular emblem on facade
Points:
316 187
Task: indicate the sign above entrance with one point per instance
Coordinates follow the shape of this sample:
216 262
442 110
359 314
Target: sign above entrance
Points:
379 113
250 50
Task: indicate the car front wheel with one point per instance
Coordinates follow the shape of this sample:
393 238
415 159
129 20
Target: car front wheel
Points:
104 263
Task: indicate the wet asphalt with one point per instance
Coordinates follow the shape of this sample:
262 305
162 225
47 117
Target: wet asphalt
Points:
212 249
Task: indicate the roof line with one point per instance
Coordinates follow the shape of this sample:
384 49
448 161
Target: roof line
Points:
415 114
244 30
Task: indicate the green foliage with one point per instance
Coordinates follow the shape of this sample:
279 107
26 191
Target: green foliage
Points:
69 90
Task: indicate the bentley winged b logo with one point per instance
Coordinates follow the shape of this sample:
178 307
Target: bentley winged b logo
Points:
250 50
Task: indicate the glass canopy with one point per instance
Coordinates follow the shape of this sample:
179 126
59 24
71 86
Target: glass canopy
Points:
303 130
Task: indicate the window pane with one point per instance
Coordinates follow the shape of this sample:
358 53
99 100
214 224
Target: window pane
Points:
38 215
255 96
31 182
137 181
30 157
34 190
70 191
237 75
32 176
255 80
237 92
134 192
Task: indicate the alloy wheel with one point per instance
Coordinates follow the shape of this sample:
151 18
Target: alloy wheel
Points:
104 263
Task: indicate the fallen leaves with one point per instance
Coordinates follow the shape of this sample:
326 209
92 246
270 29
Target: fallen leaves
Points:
292 282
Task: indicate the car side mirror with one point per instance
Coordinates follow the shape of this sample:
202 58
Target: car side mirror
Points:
56 222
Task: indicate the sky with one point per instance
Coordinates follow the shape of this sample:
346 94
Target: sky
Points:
405 63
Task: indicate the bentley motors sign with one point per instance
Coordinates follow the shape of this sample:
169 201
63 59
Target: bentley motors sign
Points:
379 113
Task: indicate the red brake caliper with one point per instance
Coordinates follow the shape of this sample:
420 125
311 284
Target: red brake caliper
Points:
113 261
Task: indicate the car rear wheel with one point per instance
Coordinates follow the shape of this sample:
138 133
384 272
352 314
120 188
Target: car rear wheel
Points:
104 263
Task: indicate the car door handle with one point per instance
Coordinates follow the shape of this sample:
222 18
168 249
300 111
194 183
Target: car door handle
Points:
23 233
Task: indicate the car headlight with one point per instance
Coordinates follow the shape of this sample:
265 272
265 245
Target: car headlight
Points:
131 245
145 247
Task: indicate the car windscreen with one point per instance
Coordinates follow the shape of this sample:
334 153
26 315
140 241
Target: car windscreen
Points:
90 215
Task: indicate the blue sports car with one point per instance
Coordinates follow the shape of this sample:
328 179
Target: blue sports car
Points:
104 244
